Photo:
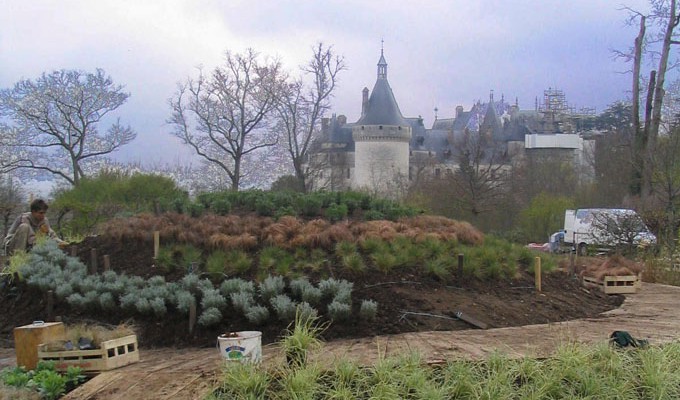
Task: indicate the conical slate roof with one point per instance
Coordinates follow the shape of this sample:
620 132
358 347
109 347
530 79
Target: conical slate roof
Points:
382 108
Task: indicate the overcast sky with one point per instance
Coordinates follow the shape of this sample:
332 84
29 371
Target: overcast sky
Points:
439 53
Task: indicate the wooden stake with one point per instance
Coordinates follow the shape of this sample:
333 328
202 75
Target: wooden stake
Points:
156 243
50 305
93 261
537 272
107 262
460 265
192 317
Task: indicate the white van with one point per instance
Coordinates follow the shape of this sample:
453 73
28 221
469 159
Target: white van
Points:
605 227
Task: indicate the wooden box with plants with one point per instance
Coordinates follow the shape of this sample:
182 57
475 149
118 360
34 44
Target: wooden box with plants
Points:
616 275
92 349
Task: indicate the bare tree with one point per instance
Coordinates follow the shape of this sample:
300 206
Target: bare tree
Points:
226 116
480 181
12 199
55 123
303 105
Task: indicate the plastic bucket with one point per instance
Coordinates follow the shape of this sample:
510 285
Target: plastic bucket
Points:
244 346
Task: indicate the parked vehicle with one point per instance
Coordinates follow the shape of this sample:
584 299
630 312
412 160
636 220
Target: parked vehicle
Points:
605 228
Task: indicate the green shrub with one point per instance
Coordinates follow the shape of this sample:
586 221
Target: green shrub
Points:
221 206
310 205
215 263
339 311
190 256
158 307
336 212
439 267
353 263
271 286
183 300
242 301
374 215
257 315
165 258
196 209
238 262
298 286
236 285
210 317
284 307
368 310
265 207
212 298
311 295
345 248
384 261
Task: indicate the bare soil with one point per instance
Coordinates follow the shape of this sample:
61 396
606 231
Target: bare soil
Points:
408 302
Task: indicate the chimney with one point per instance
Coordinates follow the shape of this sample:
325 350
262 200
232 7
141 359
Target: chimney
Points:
364 101
459 111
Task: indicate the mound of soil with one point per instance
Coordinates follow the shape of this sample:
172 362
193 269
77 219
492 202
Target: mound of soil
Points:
407 302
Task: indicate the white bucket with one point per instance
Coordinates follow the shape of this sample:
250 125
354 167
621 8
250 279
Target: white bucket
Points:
244 346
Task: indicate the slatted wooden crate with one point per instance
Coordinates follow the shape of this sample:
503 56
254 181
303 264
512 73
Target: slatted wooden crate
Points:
616 284
112 354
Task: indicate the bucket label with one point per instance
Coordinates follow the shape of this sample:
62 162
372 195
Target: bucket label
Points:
235 352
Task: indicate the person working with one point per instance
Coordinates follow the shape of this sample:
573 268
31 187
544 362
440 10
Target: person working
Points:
27 226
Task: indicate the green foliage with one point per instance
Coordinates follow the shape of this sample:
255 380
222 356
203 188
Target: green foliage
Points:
284 307
301 337
165 258
235 285
265 207
220 206
238 262
242 301
109 194
544 216
190 256
336 212
353 263
16 377
439 267
271 286
215 264
45 380
257 315
210 317
368 310
339 311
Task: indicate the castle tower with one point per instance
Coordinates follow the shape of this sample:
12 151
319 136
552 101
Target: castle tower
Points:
381 139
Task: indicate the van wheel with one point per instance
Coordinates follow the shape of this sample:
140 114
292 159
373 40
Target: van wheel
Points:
582 249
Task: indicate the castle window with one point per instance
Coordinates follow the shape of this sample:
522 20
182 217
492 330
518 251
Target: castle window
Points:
400 128
437 172
380 127
347 173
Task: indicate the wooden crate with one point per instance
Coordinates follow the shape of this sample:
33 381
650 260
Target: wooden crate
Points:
616 284
113 353
28 337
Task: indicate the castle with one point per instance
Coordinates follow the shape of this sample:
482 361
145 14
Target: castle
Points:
384 152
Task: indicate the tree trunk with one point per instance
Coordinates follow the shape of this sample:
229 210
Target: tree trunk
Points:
644 156
659 92
638 134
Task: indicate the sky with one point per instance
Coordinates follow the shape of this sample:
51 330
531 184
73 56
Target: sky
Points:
440 54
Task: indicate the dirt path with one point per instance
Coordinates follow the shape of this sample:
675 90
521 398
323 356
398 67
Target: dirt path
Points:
190 373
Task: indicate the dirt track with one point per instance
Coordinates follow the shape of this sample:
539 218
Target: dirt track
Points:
189 373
